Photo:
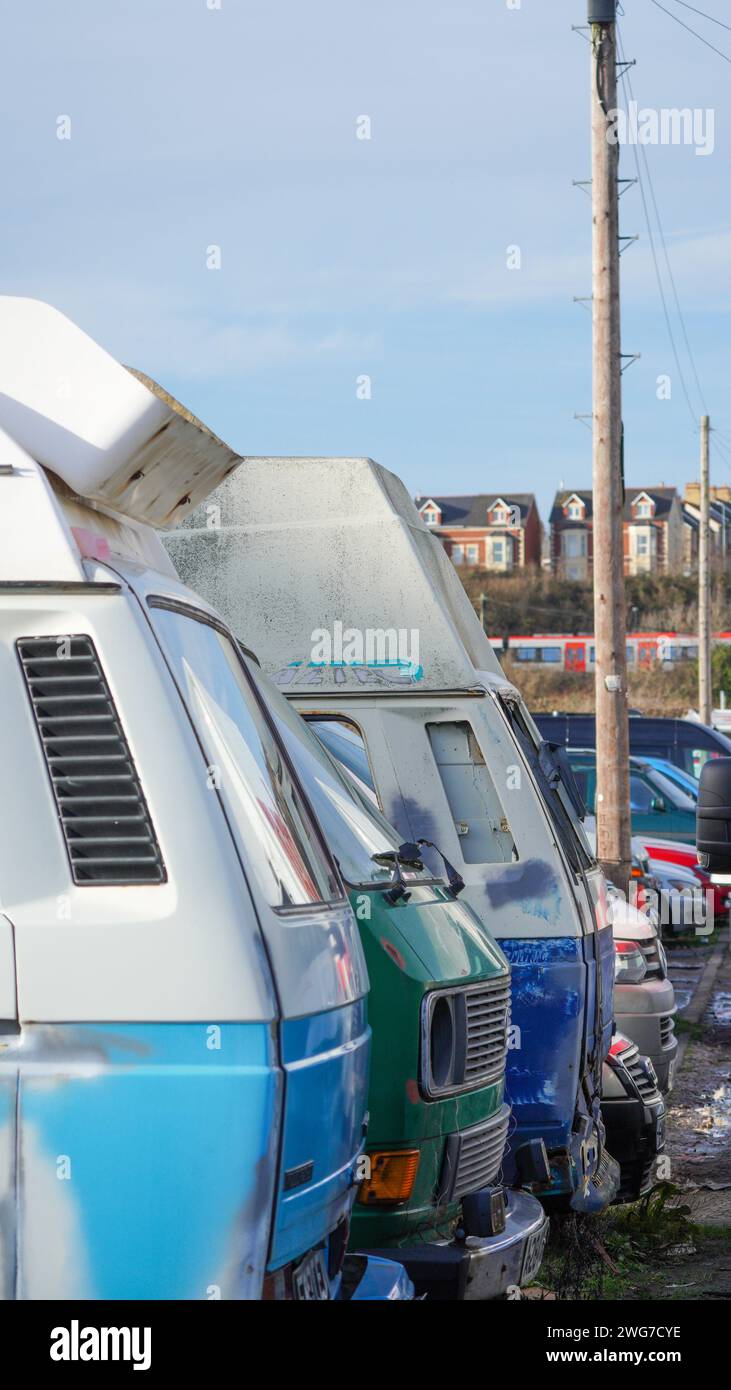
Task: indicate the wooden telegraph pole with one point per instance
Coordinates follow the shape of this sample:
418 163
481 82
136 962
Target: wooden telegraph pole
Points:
705 700
612 729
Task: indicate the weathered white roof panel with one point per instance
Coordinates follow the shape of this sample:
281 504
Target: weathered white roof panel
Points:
289 546
35 539
112 436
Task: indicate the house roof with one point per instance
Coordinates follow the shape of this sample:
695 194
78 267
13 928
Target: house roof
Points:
562 497
471 511
716 509
663 498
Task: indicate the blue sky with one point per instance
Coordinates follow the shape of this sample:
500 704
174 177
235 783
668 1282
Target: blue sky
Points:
387 257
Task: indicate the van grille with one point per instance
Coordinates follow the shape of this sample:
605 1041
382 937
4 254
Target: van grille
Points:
652 958
667 1029
488 1020
101 807
647 1088
473 1159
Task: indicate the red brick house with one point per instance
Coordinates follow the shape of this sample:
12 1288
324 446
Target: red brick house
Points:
493 531
653 532
572 538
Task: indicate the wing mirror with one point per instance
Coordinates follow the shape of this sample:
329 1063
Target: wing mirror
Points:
658 804
713 816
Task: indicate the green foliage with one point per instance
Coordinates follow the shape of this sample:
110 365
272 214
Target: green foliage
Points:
721 670
534 600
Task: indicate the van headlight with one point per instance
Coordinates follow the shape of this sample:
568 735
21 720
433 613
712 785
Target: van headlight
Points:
630 966
464 1037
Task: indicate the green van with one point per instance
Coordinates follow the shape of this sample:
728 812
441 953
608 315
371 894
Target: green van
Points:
439 1010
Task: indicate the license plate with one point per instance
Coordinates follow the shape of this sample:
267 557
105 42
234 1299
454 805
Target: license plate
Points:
533 1255
310 1278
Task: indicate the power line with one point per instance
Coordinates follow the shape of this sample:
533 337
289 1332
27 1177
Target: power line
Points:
628 85
695 33
721 450
648 222
703 14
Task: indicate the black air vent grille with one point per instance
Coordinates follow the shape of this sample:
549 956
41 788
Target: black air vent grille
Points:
101 807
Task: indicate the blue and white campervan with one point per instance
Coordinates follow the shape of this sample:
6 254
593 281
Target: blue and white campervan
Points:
183 1033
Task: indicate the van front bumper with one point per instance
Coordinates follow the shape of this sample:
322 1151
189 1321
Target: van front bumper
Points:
481 1267
635 1126
645 1013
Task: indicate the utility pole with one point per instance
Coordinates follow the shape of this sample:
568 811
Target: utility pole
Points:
612 727
705 700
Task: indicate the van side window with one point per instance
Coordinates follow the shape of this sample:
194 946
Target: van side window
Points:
245 762
640 795
101 807
481 823
344 741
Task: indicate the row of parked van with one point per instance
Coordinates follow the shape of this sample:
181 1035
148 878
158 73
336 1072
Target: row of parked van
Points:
307 967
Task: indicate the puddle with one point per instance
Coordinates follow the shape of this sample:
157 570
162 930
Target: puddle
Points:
713 1115
720 1010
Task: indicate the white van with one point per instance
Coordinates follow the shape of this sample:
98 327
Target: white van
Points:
354 609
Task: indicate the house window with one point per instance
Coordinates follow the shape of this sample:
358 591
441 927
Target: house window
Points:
500 517
457 554
644 509
575 511
473 554
430 517
643 543
574 544
498 552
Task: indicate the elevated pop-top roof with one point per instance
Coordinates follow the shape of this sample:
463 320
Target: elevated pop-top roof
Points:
113 436
46 532
289 549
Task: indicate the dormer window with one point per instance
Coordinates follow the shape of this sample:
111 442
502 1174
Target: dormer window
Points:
431 513
644 506
574 509
499 513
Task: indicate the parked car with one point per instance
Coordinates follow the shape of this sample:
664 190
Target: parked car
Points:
685 742
644 997
183 1083
684 780
645 1008
655 801
439 1008
634 1116
332 587
672 855
683 904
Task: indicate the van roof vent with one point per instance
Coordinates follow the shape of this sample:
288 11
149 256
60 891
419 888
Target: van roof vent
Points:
101 806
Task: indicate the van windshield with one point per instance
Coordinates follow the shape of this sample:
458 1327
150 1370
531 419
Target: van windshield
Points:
354 828
559 805
244 761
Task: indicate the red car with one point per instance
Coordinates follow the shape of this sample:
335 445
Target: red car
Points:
674 853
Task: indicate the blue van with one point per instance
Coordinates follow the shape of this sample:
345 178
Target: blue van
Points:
184 1042
685 742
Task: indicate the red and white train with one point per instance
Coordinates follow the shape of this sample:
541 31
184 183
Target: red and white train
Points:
577 653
